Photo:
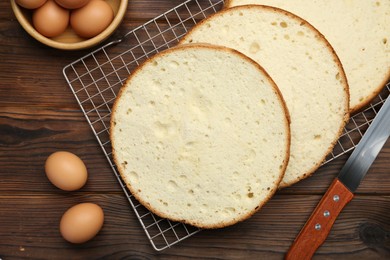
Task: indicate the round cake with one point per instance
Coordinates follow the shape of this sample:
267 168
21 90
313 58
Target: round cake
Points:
359 31
302 64
200 134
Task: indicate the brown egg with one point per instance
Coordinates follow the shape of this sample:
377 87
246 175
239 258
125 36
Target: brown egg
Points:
50 19
72 4
30 4
66 171
91 19
81 222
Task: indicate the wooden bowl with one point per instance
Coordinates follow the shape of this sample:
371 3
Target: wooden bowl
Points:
69 40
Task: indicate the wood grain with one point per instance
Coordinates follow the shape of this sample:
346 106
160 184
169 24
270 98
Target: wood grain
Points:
34 233
317 228
39 115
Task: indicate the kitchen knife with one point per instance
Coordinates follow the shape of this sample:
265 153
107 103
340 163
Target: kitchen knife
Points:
340 192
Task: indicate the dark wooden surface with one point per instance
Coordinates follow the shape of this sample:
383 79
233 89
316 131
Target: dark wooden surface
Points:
39 115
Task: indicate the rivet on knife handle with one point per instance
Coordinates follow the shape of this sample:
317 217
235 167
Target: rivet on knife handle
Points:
317 228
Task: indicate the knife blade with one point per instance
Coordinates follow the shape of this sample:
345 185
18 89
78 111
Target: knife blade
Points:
340 192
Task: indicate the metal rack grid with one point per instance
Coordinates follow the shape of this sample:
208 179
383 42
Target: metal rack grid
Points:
357 126
96 78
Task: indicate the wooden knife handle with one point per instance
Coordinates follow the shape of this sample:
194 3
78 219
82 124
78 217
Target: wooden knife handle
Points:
317 228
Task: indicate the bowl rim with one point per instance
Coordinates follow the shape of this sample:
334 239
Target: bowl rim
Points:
27 26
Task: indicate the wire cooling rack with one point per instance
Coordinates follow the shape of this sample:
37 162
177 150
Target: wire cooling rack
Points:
96 78
357 126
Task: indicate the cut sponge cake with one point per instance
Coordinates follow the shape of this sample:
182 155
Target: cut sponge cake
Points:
359 31
302 64
200 134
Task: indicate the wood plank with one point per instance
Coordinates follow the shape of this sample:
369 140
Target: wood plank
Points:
361 229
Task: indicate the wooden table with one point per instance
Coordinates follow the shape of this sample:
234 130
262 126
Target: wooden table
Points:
39 115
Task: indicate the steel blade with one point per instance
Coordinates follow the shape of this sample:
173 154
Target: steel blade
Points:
367 150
